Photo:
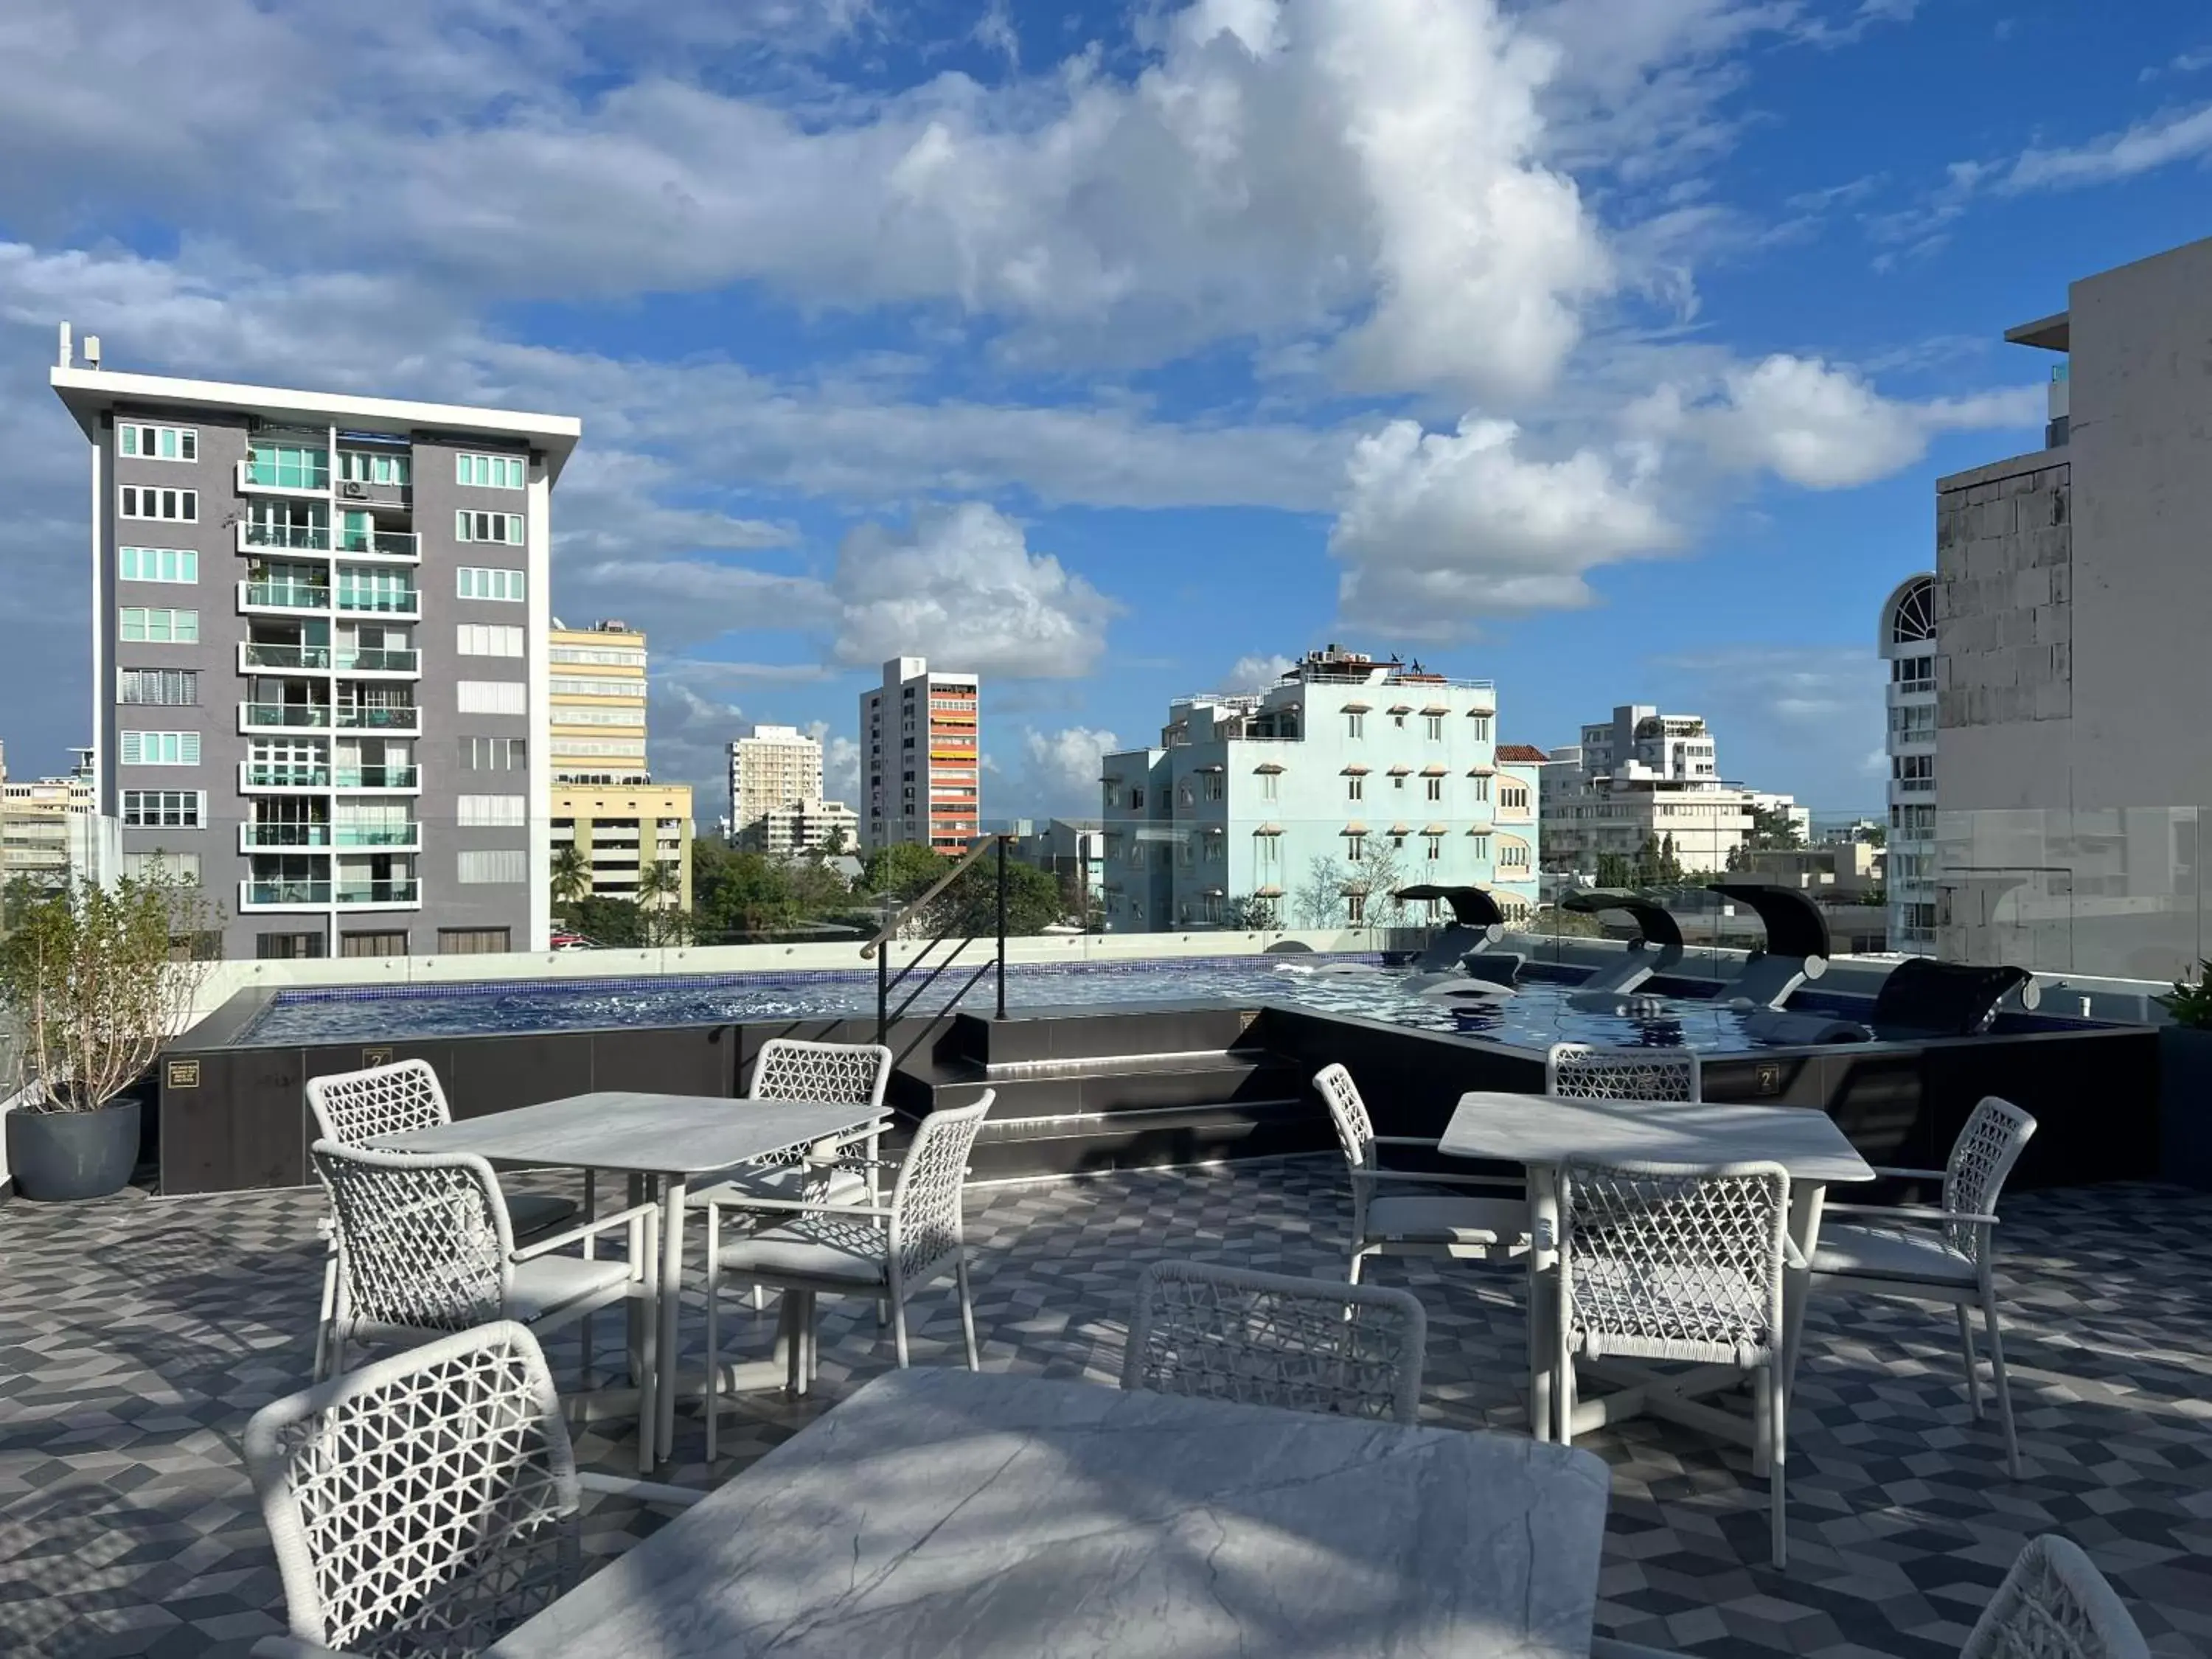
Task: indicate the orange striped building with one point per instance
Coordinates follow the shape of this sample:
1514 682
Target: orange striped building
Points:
920 765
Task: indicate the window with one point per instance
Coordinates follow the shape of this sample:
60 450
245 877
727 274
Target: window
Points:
472 941
1435 788
1917 821
633 714
1355 725
579 653
367 466
1355 908
489 811
483 639
487 527
157 564
1513 855
490 473
1183 793
183 867
494 697
160 748
1918 918
145 626
1214 790
1435 844
480 584
1913 722
1513 797
1913 673
1268 789
168 506
287 947
381 943
287 466
1914 773
158 443
1479 726
1479 846
1355 848
1136 800
1265 850
478 869
177 687
164 809
1355 787
602 747
494 755
564 685
1434 724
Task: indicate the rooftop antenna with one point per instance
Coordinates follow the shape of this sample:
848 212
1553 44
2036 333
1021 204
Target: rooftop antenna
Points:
92 351
69 351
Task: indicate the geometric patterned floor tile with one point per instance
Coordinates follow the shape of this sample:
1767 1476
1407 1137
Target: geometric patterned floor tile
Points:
137 1335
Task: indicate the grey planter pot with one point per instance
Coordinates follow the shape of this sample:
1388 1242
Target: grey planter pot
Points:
2184 1105
54 1156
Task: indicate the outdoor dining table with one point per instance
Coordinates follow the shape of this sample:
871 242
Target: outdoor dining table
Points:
944 1513
671 1138
1539 1133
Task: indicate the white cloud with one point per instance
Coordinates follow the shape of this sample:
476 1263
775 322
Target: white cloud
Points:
840 764
1798 718
1255 673
1059 775
2172 136
1440 529
959 585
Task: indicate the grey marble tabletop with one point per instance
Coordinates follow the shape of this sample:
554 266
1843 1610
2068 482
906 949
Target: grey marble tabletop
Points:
943 1513
648 1134
1536 1129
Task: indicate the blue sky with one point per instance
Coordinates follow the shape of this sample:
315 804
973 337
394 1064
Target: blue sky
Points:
1605 348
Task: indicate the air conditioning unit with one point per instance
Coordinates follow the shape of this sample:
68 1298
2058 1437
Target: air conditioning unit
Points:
356 490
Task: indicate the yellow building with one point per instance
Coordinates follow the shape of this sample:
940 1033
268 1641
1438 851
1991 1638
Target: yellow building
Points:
605 799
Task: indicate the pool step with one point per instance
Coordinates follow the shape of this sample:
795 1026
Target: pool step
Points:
1031 1036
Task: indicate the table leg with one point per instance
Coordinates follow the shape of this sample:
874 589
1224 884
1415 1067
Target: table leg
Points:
638 1322
1807 1200
1543 1325
671 1302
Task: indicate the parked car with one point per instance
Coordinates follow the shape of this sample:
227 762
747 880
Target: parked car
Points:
571 942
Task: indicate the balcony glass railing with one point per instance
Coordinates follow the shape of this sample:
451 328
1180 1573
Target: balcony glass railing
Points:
313 538
287 656
289 471
288 595
378 835
288 835
288 892
380 660
287 777
377 777
404 602
378 720
378 892
285 714
392 543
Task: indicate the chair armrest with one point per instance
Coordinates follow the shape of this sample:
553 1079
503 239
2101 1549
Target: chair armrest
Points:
294 1647
803 1207
1792 1257
1499 1183
578 1235
1908 1175
1911 1212
644 1491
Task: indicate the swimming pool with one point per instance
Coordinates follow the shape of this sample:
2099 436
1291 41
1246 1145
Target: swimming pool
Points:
1535 1019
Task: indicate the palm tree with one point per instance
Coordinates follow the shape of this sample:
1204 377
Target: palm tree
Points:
661 881
572 875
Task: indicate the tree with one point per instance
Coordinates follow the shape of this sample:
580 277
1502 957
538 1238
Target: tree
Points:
1615 870
1772 830
91 979
615 923
1319 901
572 875
1656 865
1252 914
833 844
970 905
904 872
737 893
1378 878
1875 835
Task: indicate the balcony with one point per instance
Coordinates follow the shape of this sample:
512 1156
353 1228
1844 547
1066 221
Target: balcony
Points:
256 536
402 544
254 654
372 893
264 774
378 777
282 716
408 835
283 597
377 719
406 602
289 476
253 836
285 895
380 659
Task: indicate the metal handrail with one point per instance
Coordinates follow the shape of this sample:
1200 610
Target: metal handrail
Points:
886 981
890 929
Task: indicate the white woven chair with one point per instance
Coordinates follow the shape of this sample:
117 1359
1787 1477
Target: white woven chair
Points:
1578 1071
353 1108
424 1505
1945 1255
1669 1262
2054 1604
1270 1340
1413 1212
425 1248
888 1251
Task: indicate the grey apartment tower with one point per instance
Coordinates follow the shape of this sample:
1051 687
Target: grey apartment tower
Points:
318 653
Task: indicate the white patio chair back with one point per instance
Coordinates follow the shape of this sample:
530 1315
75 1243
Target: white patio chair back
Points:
423 1236
1578 1071
1982 1157
1355 1129
353 1108
1269 1340
846 1073
2054 1604
926 1217
1673 1261
424 1505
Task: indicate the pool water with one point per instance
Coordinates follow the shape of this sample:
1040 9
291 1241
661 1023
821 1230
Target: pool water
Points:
1537 1018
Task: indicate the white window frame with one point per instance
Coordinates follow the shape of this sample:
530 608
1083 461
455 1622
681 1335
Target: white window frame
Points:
498 528
157 504
1355 724
131 440
1513 797
480 471
492 696
489 582
1355 787
1436 791
169 748
501 867
512 754
1433 725
176 565
190 806
1481 726
1355 849
163 865
489 812
488 640
187 680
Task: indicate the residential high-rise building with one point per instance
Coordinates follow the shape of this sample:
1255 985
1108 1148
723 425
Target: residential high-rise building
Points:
50 829
1907 644
919 782
771 767
2072 758
1645 777
604 801
803 827
1299 800
319 655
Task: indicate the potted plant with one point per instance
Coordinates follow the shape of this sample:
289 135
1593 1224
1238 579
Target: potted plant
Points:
93 979
2185 1082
